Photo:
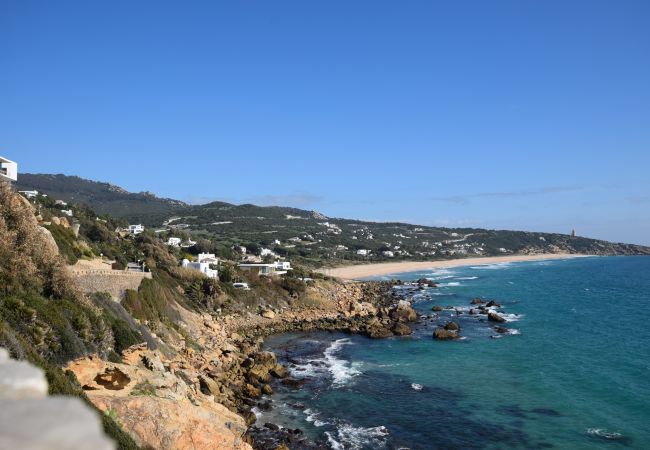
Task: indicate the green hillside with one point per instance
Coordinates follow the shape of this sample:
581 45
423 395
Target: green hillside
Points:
307 237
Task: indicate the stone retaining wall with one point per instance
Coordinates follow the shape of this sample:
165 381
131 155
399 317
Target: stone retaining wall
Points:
115 282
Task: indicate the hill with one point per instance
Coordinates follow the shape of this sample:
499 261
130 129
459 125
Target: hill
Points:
104 198
305 236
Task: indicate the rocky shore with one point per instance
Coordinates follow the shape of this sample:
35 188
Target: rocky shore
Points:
201 394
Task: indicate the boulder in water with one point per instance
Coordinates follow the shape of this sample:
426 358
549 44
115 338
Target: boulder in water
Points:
444 335
401 329
494 317
492 303
452 326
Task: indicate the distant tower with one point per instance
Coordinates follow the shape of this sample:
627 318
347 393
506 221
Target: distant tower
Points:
573 233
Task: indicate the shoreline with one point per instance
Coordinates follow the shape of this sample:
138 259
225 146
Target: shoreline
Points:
360 271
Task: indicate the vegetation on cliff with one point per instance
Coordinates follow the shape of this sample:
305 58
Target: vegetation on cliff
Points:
43 318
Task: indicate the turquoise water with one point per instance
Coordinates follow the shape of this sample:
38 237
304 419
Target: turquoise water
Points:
577 376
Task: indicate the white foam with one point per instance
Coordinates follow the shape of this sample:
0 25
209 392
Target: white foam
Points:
601 432
451 283
503 265
349 437
467 278
417 387
312 416
512 317
342 371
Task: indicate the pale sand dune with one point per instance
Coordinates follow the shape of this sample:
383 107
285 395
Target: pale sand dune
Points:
369 270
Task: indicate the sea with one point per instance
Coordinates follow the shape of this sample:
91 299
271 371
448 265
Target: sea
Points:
571 372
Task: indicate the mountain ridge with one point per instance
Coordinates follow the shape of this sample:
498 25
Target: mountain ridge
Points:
309 236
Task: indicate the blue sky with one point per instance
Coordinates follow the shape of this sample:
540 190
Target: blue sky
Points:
527 115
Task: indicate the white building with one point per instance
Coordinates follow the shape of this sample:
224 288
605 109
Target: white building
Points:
388 254
208 257
174 242
29 194
363 252
8 170
202 264
271 269
67 212
135 229
242 249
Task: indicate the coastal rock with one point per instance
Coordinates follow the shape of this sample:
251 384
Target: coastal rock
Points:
401 329
441 334
492 304
437 308
404 311
166 424
378 331
426 282
268 314
251 391
267 389
494 317
278 371
477 301
501 330
452 326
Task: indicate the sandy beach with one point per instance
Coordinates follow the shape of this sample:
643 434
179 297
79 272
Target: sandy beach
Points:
369 270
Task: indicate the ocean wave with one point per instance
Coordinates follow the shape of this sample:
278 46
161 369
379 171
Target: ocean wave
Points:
511 317
467 278
349 437
312 417
603 433
342 371
416 386
450 284
495 266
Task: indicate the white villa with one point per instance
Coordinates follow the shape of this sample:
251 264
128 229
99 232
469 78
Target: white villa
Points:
8 170
135 229
363 252
174 242
388 253
203 263
269 270
29 194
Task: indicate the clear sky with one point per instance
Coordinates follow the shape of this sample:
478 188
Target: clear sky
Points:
518 114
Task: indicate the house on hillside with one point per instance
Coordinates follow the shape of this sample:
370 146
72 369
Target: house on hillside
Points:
268 270
204 263
135 229
363 252
8 170
29 194
174 242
